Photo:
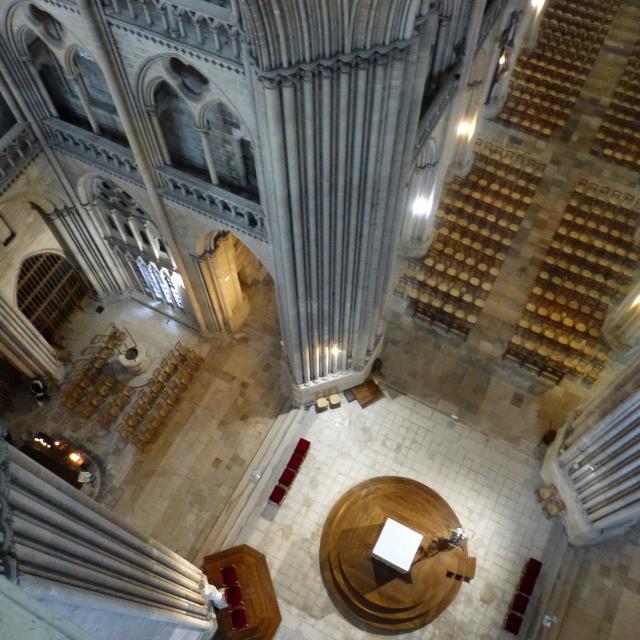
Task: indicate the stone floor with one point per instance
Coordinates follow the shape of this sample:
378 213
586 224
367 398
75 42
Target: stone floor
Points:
493 396
488 482
605 602
176 489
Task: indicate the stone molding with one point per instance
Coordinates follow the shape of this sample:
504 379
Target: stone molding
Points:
19 147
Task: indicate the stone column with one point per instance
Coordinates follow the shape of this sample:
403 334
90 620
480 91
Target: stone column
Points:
337 128
456 106
71 554
458 146
80 235
595 462
23 346
205 140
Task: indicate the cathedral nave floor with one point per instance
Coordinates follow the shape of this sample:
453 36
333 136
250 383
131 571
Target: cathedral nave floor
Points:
488 482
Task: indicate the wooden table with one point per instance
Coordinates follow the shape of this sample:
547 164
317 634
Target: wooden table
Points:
370 594
258 594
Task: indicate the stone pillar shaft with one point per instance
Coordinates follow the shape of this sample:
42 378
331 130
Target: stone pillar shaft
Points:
337 270
24 347
57 541
595 462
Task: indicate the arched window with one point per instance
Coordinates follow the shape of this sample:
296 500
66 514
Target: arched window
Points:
177 124
133 236
232 153
137 268
49 289
63 96
52 27
160 283
99 96
174 285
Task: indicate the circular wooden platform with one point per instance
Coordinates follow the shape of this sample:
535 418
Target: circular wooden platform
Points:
370 594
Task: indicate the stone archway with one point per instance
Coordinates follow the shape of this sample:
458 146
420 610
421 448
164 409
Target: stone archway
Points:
230 271
49 290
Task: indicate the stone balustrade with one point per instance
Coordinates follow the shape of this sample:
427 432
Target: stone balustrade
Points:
209 26
18 147
215 202
205 198
93 149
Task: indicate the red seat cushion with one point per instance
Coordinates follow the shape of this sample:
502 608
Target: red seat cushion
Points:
302 447
277 495
295 461
533 567
229 575
233 595
519 603
512 623
287 477
527 583
239 618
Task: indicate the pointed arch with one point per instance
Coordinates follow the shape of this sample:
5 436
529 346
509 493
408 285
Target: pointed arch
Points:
56 85
49 290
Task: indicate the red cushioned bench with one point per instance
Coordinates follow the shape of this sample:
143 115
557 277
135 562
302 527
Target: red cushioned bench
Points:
289 474
233 595
512 623
238 618
302 448
277 495
519 603
229 575
295 462
287 477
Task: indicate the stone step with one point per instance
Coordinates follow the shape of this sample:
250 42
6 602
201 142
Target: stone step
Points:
561 565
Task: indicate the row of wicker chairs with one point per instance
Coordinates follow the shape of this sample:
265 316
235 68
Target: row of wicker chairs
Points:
476 222
547 81
618 138
590 262
153 405
88 389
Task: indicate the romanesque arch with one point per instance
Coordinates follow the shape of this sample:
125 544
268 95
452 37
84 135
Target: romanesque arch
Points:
49 289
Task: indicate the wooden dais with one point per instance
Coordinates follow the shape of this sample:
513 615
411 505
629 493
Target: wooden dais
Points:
367 592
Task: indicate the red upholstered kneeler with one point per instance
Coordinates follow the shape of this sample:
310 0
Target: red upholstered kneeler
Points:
512 623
